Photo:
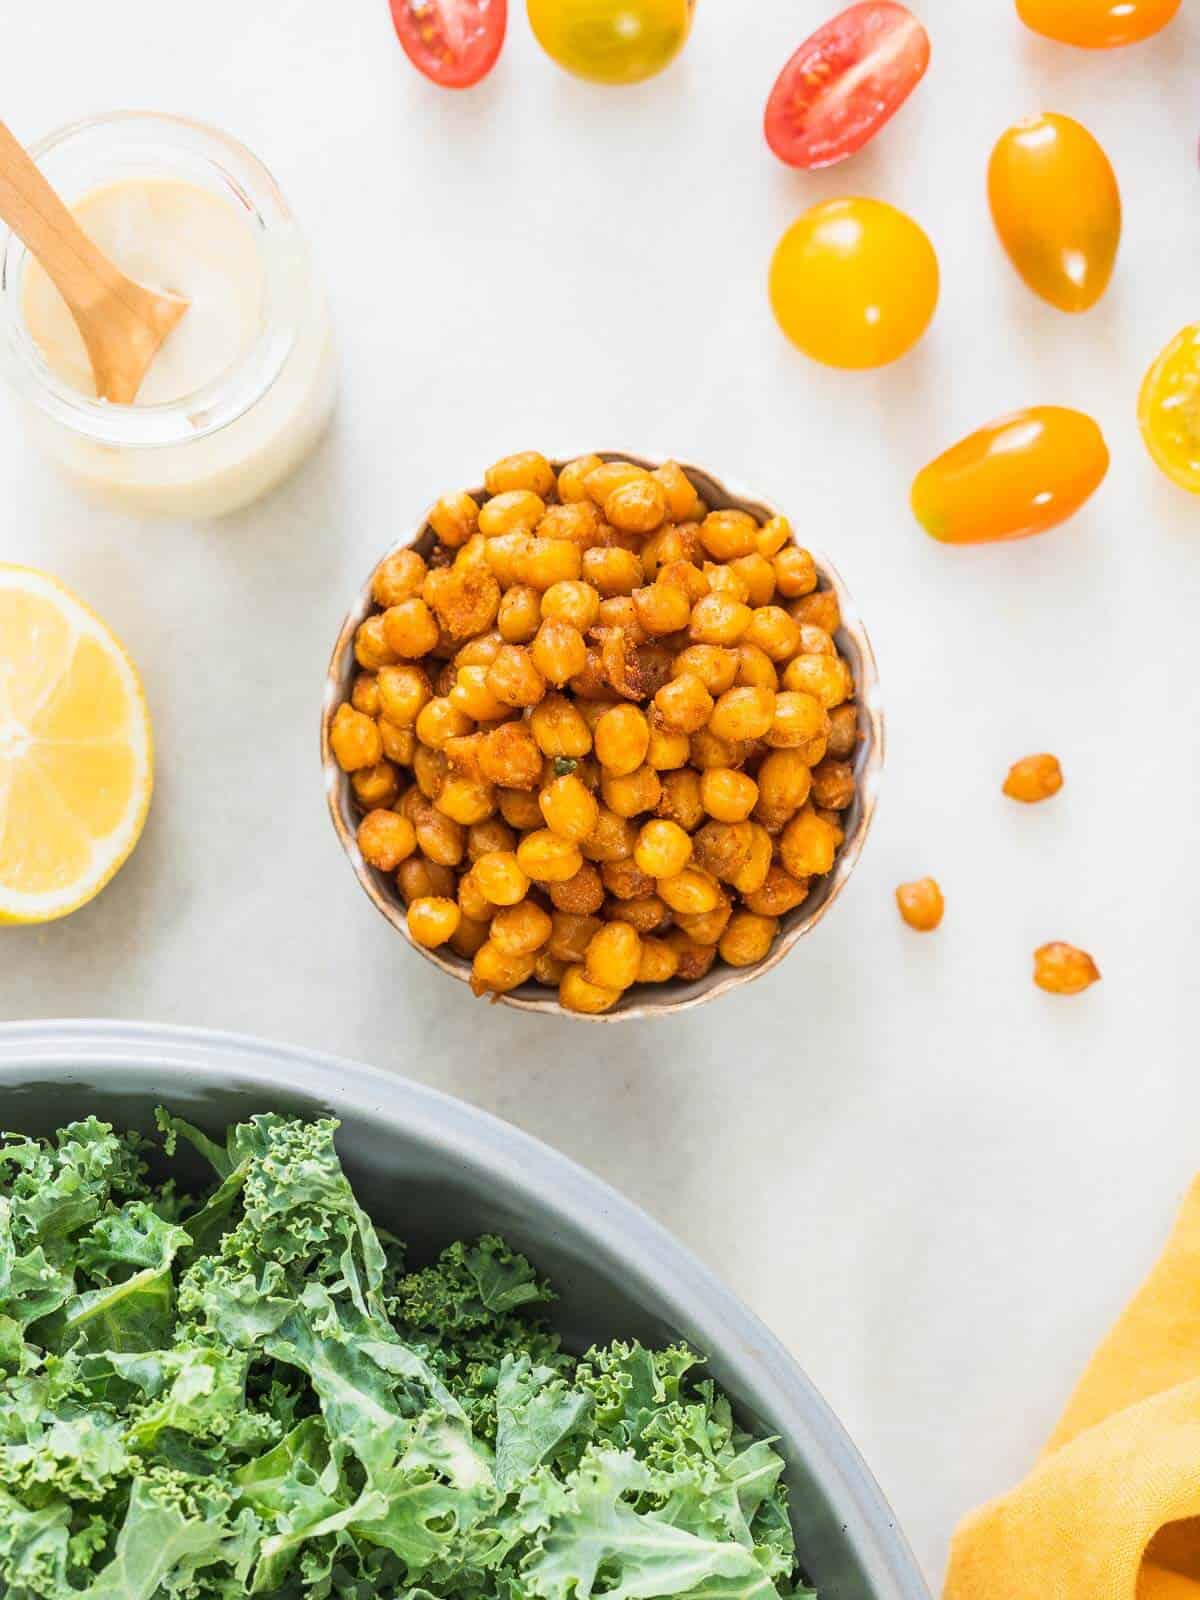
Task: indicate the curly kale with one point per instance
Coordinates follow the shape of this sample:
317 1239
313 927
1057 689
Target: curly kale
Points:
247 1392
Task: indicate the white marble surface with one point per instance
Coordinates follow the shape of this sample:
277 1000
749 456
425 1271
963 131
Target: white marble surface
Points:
934 1182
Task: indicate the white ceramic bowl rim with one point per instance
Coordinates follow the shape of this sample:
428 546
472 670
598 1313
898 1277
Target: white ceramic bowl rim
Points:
572 1199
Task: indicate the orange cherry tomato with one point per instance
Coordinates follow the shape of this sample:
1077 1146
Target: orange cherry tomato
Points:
1097 24
1057 209
1019 475
1169 409
854 283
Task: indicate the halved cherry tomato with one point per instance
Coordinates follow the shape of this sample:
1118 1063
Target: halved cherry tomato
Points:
1017 476
1057 208
844 82
453 42
854 282
1097 24
1169 409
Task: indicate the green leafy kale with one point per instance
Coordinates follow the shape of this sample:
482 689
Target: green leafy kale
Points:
247 1392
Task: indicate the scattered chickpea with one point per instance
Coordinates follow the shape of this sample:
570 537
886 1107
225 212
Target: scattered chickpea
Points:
601 732
1034 778
1062 969
921 904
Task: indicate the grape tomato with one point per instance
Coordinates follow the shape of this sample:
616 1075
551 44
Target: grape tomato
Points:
1169 409
1014 477
844 82
611 41
454 43
1097 24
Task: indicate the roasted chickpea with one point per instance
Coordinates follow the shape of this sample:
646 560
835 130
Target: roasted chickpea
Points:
354 739
471 695
921 904
582 894
503 554
833 785
386 839
479 652
441 838
680 799
465 801
500 877
546 857
773 535
684 705
465 602
625 880
667 750
558 652
743 713
612 839
609 475
621 738
784 783
747 939
773 632
522 929
410 628
364 694
719 619
513 678
690 891
569 808
647 913
612 570
418 878
398 577
1062 969
375 786
715 666
843 730
371 649
577 992
570 935
526 470
695 960
520 613
657 961
820 609
573 477
579 523
727 795
432 921
757 576
706 927
638 506
706 750
548 971
752 874
662 608
1034 778
808 844
722 849
663 848
682 501
509 756
756 670
399 744
516 510
799 719
795 572
729 534
454 519
430 768
543 562
403 692
628 794
613 956
495 971
468 937
779 893
472 901
519 807
575 603
440 720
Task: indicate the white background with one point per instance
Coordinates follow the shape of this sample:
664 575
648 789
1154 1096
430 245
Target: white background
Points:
935 1182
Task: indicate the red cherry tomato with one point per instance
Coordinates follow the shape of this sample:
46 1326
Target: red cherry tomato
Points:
453 42
844 83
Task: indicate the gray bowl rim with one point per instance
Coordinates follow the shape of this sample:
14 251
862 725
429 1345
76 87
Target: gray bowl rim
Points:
557 1184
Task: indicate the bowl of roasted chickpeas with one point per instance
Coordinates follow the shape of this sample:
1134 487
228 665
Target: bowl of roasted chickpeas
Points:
601 737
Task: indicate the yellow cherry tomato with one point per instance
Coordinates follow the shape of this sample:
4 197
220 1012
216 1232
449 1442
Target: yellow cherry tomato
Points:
1057 209
611 41
854 283
1169 409
1097 24
1018 475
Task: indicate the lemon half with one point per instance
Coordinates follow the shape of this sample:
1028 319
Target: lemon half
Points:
76 750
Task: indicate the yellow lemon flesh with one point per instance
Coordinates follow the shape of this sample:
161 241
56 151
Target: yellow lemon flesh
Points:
76 753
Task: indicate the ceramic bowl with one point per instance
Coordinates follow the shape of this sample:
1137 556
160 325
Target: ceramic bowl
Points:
644 1000
434 1170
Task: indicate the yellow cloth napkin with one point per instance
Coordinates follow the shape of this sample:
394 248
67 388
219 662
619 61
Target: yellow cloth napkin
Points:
1111 1510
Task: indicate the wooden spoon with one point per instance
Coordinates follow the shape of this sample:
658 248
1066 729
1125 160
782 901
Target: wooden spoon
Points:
122 322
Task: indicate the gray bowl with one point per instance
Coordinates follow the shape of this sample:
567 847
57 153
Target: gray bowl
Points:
434 1169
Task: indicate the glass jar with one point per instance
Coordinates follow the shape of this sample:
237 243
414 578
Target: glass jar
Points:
231 441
